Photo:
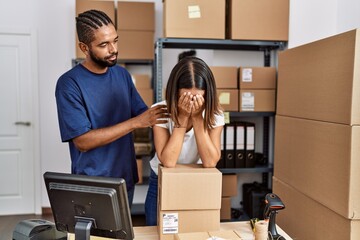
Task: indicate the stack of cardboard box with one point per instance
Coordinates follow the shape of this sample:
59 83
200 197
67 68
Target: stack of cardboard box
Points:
317 139
189 200
229 189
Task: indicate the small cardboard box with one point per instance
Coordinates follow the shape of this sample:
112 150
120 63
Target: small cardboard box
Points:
259 20
225 77
147 94
321 80
225 211
305 218
257 78
229 185
229 99
138 16
257 100
189 187
194 19
107 6
321 160
141 81
136 45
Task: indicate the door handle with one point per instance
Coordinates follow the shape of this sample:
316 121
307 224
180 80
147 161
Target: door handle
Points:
23 123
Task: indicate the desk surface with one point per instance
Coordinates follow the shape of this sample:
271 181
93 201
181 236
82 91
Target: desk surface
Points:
150 233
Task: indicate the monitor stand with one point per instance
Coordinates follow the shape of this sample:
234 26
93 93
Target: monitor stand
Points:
82 229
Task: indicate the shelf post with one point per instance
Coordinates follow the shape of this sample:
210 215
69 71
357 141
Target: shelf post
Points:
158 81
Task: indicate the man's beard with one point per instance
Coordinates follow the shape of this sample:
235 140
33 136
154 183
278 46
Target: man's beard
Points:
103 62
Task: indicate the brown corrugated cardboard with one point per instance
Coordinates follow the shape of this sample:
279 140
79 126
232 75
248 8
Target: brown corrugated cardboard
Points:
304 218
225 77
187 221
147 94
136 16
259 20
321 80
194 19
224 234
257 100
225 211
229 185
257 78
136 45
188 187
141 81
321 160
107 6
229 99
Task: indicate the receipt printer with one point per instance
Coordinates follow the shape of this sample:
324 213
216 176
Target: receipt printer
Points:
37 229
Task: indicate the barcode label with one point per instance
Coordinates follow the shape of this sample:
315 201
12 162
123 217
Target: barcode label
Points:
170 223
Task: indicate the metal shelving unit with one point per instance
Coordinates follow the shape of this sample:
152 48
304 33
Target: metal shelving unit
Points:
224 44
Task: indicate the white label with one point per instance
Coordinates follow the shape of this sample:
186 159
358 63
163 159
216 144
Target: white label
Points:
250 138
224 98
247 101
170 222
194 11
247 75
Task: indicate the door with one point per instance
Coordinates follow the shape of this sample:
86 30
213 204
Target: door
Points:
17 178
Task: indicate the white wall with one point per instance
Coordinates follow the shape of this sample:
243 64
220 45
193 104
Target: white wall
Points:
55 25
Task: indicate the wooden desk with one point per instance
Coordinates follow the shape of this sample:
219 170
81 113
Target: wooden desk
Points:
150 233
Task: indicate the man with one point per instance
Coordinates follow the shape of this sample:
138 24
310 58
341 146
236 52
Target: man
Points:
98 106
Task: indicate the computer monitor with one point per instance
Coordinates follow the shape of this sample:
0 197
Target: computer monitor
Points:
89 205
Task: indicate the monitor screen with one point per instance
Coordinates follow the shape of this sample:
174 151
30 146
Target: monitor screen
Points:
89 205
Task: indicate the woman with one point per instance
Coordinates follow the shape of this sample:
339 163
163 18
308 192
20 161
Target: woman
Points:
192 133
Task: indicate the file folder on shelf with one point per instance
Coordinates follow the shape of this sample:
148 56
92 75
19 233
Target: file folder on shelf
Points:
249 145
230 146
240 145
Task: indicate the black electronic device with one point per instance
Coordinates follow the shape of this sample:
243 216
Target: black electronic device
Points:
89 205
272 205
37 229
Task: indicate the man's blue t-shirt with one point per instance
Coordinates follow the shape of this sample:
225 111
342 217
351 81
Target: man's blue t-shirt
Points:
87 101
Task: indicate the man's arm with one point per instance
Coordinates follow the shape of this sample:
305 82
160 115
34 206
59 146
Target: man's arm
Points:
102 136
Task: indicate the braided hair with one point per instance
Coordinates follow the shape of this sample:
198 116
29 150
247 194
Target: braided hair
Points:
89 21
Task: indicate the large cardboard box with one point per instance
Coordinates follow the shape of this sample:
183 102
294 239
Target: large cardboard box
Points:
189 199
225 211
147 94
321 160
136 45
107 6
257 78
229 99
321 80
259 20
138 16
141 81
257 100
194 19
225 77
304 218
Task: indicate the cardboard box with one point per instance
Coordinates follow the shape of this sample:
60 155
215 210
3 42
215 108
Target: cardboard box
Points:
136 45
223 234
139 164
194 19
305 218
321 160
147 94
257 78
321 80
141 81
257 100
225 211
259 20
192 236
229 185
138 16
189 187
229 99
189 200
107 6
225 77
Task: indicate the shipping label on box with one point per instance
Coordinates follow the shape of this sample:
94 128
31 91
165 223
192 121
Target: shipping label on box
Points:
257 100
